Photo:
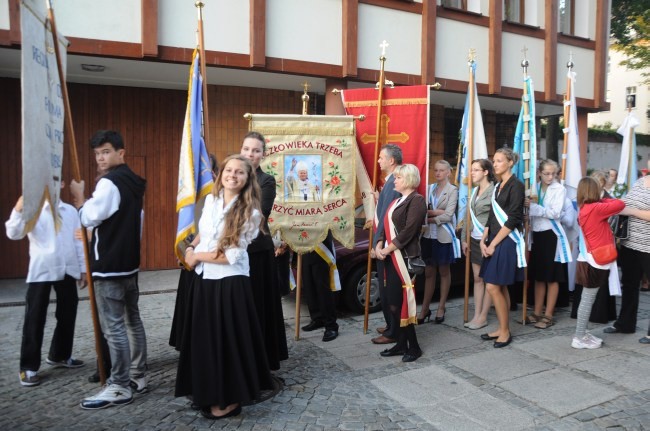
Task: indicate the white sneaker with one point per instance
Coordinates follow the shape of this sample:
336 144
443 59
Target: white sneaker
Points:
584 343
110 395
593 337
139 384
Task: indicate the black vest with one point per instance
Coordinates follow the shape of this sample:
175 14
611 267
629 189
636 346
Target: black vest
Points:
115 248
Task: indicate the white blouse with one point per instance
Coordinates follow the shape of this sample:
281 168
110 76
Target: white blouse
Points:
210 229
553 202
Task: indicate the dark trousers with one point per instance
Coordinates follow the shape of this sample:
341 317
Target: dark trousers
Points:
316 284
405 336
37 299
392 325
632 264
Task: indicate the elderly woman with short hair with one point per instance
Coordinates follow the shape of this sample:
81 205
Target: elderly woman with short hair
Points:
399 241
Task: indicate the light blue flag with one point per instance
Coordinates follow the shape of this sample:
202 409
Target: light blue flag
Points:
521 137
479 148
194 168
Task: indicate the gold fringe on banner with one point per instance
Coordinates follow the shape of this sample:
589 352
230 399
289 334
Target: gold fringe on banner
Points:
312 131
390 102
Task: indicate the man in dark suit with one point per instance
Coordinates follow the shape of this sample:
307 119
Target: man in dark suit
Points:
390 157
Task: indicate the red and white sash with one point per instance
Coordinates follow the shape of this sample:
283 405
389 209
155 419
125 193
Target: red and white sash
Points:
408 314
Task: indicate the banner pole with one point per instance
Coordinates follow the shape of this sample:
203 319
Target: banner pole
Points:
206 124
567 119
468 178
524 101
298 292
380 100
76 174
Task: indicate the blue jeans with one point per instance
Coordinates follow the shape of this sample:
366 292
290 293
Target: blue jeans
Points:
117 306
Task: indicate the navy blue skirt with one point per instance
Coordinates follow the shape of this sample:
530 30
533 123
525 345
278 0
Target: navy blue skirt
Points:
501 268
436 253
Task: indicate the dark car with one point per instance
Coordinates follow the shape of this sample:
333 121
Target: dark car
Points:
352 266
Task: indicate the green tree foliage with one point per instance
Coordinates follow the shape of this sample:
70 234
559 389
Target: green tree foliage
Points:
630 30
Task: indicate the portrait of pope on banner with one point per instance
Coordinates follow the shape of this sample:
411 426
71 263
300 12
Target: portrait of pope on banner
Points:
303 179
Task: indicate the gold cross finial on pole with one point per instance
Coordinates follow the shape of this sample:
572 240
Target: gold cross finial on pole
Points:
524 51
305 86
383 45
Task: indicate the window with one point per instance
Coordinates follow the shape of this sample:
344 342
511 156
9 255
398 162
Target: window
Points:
456 4
630 97
515 11
566 16
453 123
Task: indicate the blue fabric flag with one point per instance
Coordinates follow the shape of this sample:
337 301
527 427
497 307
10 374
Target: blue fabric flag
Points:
194 170
528 99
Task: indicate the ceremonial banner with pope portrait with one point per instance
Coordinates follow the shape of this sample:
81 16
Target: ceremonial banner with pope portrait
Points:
311 158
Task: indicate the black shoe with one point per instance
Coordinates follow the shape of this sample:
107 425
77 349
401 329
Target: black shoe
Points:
439 320
411 356
426 318
611 330
312 326
207 413
330 334
488 337
93 378
392 352
498 344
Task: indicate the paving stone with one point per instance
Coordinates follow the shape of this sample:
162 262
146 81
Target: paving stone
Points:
459 383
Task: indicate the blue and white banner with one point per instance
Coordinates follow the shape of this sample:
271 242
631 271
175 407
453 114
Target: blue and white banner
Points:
43 112
479 147
527 100
194 168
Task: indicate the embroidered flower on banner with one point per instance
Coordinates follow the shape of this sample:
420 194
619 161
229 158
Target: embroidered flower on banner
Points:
342 222
335 178
303 235
343 143
272 169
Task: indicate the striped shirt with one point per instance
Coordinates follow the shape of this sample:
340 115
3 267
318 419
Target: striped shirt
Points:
639 230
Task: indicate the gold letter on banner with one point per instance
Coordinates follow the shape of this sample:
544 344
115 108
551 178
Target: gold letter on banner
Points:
312 159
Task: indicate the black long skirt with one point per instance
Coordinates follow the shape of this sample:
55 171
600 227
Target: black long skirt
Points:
268 303
222 362
182 308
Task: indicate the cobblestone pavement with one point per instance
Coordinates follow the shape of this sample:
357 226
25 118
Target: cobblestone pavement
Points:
459 383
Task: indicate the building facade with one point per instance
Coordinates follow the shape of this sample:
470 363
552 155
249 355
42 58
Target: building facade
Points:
128 70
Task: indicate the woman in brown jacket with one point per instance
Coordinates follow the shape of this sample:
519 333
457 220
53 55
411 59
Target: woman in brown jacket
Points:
399 241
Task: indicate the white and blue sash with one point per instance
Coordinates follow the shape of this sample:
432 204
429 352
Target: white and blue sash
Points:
562 249
475 223
449 226
514 235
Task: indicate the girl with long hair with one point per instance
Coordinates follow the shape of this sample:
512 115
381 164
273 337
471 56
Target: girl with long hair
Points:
595 233
502 244
482 173
550 249
263 264
224 364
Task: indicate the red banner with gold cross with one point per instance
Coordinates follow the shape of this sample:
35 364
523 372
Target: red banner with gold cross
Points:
404 122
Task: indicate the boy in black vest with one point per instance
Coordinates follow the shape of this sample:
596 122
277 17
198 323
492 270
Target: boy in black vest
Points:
114 213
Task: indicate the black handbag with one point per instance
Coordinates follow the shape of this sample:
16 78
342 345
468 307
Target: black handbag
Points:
620 226
415 265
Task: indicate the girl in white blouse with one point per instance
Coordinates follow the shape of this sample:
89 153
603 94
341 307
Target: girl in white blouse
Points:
223 362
